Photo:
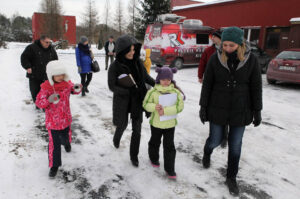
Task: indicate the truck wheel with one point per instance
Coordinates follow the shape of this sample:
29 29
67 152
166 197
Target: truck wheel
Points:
178 63
271 81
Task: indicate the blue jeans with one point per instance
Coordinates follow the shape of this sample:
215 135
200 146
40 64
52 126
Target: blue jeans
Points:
235 136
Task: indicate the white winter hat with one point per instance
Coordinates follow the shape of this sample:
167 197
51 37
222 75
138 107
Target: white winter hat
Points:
56 67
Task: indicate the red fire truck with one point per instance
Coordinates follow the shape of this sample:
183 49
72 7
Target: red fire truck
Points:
175 43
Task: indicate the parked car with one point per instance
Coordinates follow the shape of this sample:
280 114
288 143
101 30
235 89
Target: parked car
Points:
263 58
285 67
175 43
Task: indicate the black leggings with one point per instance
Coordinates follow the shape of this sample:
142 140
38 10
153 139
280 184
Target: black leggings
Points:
86 78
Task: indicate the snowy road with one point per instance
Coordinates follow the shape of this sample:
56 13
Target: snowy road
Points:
269 166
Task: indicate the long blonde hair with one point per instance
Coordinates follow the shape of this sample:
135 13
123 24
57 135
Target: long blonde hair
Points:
240 53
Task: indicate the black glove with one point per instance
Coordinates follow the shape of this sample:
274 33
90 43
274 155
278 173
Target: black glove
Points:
203 115
257 118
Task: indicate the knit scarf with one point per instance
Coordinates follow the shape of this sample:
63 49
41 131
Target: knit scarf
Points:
84 48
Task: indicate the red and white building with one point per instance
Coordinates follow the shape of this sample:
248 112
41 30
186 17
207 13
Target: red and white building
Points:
273 24
68 24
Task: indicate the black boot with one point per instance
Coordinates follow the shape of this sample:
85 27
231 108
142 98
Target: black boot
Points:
135 162
83 91
53 172
206 161
232 186
116 143
68 148
87 90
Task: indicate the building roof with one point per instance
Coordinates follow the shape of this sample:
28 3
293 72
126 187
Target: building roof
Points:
296 19
201 4
175 3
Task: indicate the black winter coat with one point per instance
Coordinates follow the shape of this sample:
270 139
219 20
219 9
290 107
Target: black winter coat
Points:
36 57
128 100
231 97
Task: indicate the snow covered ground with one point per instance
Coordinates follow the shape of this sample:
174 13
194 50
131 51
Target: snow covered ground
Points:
269 167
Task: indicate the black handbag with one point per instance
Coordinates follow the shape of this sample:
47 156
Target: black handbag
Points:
95 66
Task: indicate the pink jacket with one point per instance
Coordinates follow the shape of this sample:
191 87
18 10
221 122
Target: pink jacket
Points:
58 116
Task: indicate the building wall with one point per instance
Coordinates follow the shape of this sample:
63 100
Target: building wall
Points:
262 14
68 24
182 3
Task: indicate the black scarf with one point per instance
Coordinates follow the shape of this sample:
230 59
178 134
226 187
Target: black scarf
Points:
84 48
232 61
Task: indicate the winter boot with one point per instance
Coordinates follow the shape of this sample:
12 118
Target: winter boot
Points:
87 90
116 142
171 175
53 172
68 148
135 162
232 186
83 92
155 164
206 161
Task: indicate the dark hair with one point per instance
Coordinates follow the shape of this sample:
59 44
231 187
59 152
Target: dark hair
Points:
43 37
111 37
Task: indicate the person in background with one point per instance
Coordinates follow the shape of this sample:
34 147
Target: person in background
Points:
231 95
34 59
128 99
54 98
109 51
166 128
84 58
208 52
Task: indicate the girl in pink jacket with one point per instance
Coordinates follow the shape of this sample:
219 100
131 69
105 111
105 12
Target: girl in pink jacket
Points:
54 99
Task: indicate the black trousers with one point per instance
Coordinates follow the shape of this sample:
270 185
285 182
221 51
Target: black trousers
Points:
56 139
168 144
135 137
86 78
35 87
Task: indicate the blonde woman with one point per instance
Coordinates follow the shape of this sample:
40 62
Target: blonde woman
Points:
231 95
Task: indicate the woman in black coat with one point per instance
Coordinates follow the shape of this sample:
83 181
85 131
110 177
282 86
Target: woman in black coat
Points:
231 95
128 99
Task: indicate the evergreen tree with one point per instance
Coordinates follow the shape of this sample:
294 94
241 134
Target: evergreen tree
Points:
21 28
149 11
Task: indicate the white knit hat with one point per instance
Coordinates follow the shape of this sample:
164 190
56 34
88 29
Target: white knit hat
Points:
56 67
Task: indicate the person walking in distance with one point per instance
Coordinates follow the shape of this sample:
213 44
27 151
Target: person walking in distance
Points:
109 51
84 58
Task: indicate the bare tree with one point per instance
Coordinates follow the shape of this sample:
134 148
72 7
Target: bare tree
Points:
106 17
52 18
90 20
119 17
132 9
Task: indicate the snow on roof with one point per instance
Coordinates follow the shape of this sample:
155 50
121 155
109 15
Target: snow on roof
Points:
297 19
200 4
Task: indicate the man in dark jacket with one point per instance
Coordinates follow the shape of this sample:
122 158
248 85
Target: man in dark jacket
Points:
231 95
109 51
34 59
216 39
128 99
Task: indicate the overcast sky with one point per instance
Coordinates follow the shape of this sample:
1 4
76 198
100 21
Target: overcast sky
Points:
70 7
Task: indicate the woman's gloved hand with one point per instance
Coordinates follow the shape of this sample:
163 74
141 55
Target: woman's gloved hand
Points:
203 114
257 118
